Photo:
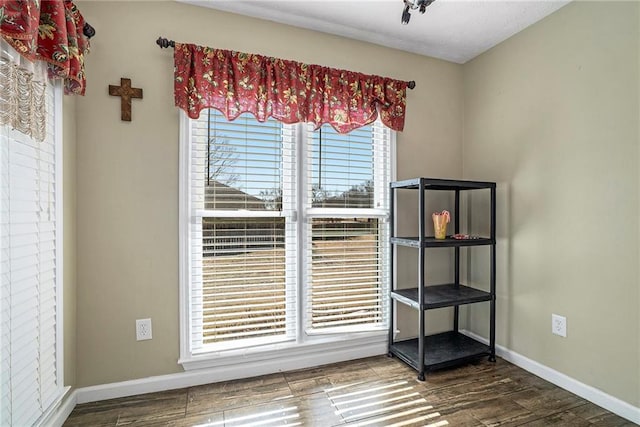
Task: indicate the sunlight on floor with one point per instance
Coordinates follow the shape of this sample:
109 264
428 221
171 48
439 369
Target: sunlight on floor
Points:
283 416
358 404
390 404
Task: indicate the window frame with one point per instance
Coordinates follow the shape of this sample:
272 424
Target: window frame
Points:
304 344
200 213
310 213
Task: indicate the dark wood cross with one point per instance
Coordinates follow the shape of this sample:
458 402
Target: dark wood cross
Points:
125 92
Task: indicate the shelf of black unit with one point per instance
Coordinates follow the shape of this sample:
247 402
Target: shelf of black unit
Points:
449 242
438 296
440 350
442 184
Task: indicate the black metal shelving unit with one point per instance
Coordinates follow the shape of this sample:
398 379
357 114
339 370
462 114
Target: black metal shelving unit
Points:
429 352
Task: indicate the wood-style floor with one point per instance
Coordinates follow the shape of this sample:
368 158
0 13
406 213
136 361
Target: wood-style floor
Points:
377 391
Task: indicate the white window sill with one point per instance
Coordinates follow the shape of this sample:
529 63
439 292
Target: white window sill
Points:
316 350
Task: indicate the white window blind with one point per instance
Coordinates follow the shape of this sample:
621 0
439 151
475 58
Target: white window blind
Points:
29 260
347 210
347 272
242 235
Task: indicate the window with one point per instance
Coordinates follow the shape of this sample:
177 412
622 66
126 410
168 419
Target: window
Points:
30 267
345 206
242 241
284 232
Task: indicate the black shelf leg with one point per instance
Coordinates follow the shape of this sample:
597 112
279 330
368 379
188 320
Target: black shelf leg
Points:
492 326
456 318
422 233
392 208
456 263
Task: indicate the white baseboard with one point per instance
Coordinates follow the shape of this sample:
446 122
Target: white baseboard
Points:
224 373
585 391
60 414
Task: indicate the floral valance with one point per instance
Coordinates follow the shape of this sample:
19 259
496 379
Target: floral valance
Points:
51 31
291 92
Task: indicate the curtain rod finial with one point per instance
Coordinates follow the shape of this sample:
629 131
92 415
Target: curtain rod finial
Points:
411 84
88 30
163 42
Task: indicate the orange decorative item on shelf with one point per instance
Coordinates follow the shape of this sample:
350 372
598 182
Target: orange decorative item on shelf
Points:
440 221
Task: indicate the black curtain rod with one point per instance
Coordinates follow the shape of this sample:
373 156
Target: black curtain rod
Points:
166 43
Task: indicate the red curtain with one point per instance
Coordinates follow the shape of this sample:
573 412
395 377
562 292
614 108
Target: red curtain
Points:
291 92
51 31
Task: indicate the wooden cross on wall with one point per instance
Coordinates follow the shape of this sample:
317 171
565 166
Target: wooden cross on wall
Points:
125 92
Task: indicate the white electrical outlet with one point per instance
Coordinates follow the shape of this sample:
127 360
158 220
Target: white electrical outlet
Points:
143 329
559 325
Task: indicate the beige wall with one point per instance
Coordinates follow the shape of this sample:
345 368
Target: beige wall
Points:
69 180
127 187
552 115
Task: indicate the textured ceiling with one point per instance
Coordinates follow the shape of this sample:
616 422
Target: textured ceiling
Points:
454 30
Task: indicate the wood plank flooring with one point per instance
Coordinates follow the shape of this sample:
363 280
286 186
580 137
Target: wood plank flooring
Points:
377 391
